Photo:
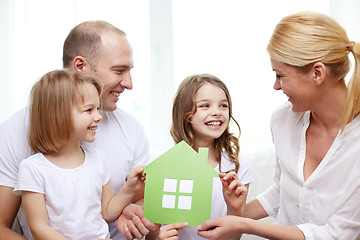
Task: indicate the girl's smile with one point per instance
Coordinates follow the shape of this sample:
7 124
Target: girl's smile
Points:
212 113
214 123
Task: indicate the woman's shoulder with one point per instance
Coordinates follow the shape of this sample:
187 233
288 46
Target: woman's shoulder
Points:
281 111
284 116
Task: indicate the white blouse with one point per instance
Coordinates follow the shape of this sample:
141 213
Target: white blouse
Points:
327 204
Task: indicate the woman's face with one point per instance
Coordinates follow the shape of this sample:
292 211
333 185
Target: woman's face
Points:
297 86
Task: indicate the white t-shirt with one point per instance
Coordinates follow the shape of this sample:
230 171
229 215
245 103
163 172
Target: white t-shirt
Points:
120 136
218 205
326 205
72 196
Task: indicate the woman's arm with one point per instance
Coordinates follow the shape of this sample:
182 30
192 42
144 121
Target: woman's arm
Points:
229 226
37 217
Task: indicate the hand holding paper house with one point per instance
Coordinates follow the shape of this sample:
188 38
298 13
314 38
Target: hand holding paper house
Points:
178 186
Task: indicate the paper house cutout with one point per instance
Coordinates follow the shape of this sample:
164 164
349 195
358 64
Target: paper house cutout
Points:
178 186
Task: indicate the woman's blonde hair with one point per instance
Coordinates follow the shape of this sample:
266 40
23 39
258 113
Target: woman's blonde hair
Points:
184 108
304 38
51 101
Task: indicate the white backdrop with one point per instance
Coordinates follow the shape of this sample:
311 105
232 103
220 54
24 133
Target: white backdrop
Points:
171 40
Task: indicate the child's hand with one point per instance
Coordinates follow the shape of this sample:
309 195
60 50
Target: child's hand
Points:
136 179
171 231
234 193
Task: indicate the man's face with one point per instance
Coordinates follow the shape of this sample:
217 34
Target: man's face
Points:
113 67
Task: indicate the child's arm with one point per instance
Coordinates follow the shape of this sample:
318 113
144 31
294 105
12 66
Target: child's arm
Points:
167 232
112 206
235 193
37 217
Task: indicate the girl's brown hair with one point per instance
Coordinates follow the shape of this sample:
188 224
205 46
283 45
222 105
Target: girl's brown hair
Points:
184 108
51 101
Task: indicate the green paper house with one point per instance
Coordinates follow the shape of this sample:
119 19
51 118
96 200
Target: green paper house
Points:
178 186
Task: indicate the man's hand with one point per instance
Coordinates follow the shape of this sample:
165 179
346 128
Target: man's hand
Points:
132 224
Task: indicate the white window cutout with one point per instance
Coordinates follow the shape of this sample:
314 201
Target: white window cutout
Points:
184 202
186 186
168 201
170 185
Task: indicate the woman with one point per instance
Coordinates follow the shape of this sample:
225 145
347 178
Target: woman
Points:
316 137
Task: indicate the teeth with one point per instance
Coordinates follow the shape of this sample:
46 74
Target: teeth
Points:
213 123
93 128
115 94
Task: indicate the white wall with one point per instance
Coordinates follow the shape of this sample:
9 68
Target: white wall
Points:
32 37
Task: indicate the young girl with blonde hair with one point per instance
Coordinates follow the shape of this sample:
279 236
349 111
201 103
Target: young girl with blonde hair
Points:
65 187
201 114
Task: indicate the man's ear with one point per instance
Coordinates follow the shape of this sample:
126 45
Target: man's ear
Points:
80 64
320 71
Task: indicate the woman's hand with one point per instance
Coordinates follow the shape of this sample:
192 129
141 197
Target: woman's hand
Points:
222 228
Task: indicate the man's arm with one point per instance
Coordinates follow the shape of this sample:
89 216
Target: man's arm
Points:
9 206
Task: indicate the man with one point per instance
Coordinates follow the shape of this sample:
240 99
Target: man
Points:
99 48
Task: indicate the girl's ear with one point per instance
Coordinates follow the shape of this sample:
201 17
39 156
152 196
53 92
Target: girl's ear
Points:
319 70
80 64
